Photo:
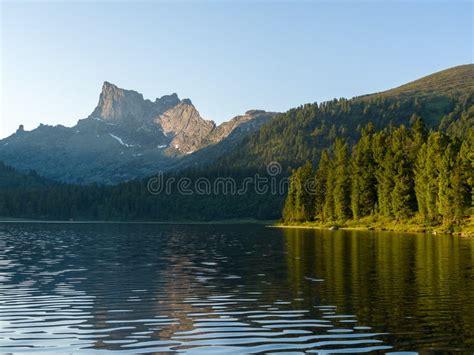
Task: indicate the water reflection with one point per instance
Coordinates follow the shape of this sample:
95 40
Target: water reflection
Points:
159 288
418 288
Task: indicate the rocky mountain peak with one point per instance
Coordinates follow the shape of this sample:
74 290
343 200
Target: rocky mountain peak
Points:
172 124
118 104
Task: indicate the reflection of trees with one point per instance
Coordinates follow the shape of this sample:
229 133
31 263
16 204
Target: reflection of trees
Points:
399 283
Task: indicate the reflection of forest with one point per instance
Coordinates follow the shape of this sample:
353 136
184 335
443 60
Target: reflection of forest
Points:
389 279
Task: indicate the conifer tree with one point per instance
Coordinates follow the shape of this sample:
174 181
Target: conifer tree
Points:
421 182
446 198
462 178
321 185
299 205
289 206
384 172
363 181
342 185
304 202
426 176
403 199
328 208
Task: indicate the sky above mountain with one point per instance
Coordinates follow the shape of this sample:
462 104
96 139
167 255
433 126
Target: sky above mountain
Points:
227 57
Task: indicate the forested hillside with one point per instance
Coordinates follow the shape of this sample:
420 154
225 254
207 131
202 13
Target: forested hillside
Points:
443 100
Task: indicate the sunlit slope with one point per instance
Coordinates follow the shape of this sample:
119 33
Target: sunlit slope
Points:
453 81
444 100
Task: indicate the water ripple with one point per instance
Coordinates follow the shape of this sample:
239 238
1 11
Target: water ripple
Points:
196 289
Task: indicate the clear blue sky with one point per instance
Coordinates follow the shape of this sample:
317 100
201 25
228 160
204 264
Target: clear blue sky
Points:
227 57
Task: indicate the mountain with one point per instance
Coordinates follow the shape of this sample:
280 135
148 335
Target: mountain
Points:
125 137
444 100
238 149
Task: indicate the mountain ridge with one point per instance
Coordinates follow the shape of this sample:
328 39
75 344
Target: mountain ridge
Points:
125 137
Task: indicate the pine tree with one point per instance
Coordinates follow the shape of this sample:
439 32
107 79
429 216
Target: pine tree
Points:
454 194
321 185
445 191
403 199
384 172
426 172
304 197
341 181
421 182
462 178
299 205
328 208
289 206
363 181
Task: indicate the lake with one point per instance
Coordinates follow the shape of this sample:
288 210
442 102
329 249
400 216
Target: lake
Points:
231 288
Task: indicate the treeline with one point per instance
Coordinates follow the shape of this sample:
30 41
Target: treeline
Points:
399 173
11 179
133 201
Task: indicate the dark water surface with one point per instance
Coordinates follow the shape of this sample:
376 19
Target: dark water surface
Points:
231 288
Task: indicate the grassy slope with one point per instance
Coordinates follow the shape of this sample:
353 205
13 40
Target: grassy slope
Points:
452 81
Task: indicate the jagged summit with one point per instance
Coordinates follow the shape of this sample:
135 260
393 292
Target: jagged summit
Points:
117 104
126 136
177 125
171 99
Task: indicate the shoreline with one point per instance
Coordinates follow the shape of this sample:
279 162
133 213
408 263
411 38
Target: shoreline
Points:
463 231
378 226
186 222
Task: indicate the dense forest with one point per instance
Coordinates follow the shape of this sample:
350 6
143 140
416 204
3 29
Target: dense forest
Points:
29 196
397 173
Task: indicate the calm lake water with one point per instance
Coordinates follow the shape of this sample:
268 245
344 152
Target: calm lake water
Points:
231 288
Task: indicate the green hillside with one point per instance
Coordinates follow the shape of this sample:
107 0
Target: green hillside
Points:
443 100
452 81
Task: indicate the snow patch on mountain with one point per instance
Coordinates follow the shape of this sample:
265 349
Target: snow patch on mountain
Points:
121 141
